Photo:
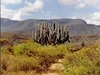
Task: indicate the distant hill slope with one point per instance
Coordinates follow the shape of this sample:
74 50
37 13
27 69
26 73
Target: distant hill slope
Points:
75 26
98 26
5 23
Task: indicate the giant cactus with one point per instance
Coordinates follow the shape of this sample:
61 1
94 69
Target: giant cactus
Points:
53 33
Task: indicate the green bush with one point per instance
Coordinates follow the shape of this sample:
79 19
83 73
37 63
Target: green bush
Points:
26 48
84 62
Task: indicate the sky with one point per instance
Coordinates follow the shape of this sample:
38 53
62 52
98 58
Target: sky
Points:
88 10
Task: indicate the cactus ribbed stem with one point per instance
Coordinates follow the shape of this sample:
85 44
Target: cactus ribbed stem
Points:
50 33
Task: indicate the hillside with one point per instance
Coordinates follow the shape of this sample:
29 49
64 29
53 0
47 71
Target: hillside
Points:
75 26
5 23
98 26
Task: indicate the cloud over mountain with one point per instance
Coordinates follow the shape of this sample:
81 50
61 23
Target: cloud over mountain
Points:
89 10
18 13
94 18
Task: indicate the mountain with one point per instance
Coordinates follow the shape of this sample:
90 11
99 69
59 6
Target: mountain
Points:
98 26
5 23
75 26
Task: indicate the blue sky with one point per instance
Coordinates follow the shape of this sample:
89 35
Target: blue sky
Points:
88 10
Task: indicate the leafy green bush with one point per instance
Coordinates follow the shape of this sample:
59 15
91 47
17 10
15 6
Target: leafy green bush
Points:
25 48
84 62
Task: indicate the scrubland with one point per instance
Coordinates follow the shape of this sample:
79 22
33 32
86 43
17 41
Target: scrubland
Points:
31 58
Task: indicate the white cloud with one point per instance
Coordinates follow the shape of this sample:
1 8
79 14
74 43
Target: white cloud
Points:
7 13
32 7
11 1
93 18
81 3
94 3
11 14
93 22
17 14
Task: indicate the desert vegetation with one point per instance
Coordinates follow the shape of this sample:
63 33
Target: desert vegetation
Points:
49 47
53 33
86 61
30 56
26 57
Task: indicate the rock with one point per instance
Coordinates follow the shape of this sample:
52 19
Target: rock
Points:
51 74
56 66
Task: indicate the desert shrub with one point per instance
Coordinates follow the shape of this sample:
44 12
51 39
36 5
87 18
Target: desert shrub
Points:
32 56
4 42
7 50
25 64
19 63
46 54
26 48
84 62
